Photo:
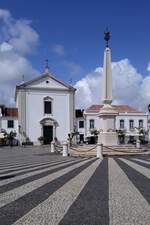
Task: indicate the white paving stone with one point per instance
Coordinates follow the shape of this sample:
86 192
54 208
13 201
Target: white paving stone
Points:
141 169
20 177
12 195
141 160
126 204
27 169
20 167
52 210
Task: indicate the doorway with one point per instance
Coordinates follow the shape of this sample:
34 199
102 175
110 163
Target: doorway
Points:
81 138
47 134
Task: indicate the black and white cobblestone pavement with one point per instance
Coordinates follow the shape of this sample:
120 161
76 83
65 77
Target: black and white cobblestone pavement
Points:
41 188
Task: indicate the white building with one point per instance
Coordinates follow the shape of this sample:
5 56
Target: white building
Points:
80 125
127 119
8 119
45 108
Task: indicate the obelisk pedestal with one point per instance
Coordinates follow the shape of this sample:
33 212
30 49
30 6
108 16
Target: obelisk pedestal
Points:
108 135
107 114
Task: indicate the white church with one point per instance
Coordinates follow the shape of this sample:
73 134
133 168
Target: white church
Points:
46 109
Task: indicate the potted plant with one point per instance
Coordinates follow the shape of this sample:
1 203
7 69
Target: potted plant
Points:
9 137
41 140
95 133
27 142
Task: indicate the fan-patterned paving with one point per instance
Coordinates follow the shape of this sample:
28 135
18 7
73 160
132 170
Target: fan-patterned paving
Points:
38 187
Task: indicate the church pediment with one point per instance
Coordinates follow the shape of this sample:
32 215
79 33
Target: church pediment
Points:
46 81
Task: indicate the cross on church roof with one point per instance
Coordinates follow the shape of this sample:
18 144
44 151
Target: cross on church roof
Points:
46 71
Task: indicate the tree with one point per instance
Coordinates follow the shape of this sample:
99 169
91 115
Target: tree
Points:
94 132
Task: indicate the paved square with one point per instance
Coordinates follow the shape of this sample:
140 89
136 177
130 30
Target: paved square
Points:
38 187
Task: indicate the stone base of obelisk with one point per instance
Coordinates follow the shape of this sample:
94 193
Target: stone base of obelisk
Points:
108 138
108 135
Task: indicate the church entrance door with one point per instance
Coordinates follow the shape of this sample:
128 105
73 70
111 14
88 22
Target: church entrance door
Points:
47 134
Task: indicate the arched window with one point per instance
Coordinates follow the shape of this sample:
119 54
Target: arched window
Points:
48 105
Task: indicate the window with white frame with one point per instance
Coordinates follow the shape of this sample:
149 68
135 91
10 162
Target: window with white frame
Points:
121 124
131 124
10 124
47 105
140 123
92 124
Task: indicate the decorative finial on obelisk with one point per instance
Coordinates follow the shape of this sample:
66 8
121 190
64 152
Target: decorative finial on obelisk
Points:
46 71
106 37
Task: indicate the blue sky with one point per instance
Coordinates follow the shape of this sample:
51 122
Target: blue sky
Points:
79 25
70 33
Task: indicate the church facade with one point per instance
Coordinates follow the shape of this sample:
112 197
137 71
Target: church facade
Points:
46 109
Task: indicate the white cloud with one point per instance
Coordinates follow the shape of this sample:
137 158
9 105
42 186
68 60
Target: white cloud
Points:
148 67
58 49
18 33
17 38
4 47
129 87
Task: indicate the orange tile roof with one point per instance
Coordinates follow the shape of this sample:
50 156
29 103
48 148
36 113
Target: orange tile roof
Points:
7 111
11 112
119 108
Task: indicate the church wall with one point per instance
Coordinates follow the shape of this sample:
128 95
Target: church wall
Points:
21 104
35 113
72 110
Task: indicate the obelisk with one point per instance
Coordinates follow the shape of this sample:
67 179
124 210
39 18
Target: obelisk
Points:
107 114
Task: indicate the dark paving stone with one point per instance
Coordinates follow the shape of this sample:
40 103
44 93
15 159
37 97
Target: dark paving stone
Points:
16 209
139 163
45 165
146 158
14 166
141 182
6 177
91 207
18 183
21 167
